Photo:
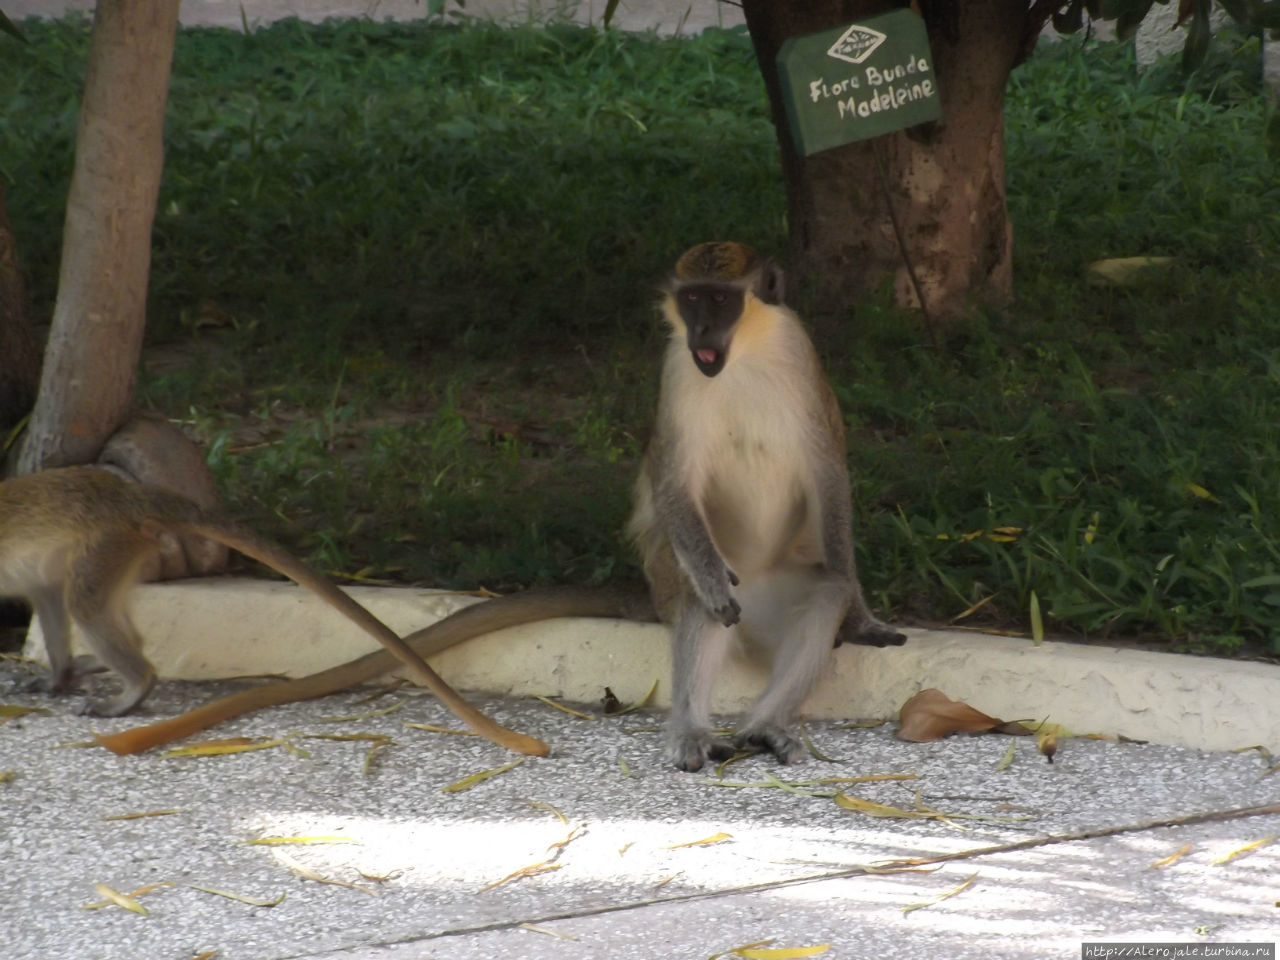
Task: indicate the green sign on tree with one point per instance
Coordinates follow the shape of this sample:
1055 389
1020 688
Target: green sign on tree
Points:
858 81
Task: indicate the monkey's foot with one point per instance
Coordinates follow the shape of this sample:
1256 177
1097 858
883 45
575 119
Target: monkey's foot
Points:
774 739
690 751
873 633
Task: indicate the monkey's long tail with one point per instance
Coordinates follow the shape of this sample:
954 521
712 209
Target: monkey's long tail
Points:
469 622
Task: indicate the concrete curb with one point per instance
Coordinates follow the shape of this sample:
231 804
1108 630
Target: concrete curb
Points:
229 627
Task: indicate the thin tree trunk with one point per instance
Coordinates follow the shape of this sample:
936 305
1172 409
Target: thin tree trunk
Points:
944 180
91 362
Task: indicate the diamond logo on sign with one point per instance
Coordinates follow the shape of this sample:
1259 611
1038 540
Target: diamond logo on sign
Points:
857 81
856 44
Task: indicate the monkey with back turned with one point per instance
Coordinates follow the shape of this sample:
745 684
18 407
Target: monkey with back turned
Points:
72 542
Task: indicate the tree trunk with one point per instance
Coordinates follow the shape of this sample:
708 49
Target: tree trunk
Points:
19 353
942 181
91 361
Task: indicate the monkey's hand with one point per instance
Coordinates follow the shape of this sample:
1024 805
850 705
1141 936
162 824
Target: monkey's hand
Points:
714 593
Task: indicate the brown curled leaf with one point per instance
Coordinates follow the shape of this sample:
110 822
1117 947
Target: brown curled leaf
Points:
932 715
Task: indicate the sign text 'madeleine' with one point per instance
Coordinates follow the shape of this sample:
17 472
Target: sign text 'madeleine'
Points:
881 90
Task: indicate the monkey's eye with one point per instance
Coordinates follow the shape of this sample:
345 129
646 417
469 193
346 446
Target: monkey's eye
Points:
690 296
718 297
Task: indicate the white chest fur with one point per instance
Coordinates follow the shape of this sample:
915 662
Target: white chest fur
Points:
746 446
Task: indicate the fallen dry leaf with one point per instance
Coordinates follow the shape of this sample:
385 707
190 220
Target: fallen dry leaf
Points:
940 897
466 783
1247 848
535 928
932 715
140 816
569 710
432 728
121 899
550 809
295 841
1172 858
704 842
10 711
250 901
533 870
368 715
780 953
217 748
132 895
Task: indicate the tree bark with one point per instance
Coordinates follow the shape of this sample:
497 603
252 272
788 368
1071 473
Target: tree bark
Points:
91 360
19 353
944 180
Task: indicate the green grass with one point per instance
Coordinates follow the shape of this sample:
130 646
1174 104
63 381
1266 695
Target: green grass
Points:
402 284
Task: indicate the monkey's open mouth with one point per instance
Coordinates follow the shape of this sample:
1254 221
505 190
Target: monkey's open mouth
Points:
708 361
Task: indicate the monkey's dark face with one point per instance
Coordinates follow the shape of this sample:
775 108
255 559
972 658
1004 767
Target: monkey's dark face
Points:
709 312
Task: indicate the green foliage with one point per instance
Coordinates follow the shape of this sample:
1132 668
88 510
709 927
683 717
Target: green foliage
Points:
402 284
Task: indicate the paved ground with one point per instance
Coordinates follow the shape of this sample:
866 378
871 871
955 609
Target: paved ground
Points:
416 861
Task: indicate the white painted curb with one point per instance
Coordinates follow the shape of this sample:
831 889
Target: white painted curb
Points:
230 627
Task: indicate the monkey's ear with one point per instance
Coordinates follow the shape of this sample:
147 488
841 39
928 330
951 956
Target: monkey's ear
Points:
772 283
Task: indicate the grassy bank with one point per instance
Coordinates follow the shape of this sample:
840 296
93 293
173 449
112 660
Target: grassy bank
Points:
403 280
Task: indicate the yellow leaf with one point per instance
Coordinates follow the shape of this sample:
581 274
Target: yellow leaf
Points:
973 609
665 880
1247 848
132 895
1008 756
214 748
432 728
533 870
560 706
561 844
306 873
7 776
1172 858
781 953
704 842
1009 531
746 946
466 783
1123 271
873 809
938 899
12 711
625 767
1037 624
1202 493
972 535
535 928
548 807
643 701
140 816
296 841
1092 530
251 901
369 715
121 899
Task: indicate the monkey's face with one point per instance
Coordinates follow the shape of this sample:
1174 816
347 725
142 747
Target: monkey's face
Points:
709 312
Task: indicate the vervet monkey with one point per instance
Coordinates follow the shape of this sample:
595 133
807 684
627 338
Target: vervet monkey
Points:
72 541
742 518
743 513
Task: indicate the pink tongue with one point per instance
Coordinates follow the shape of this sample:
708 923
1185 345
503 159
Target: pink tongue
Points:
705 356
